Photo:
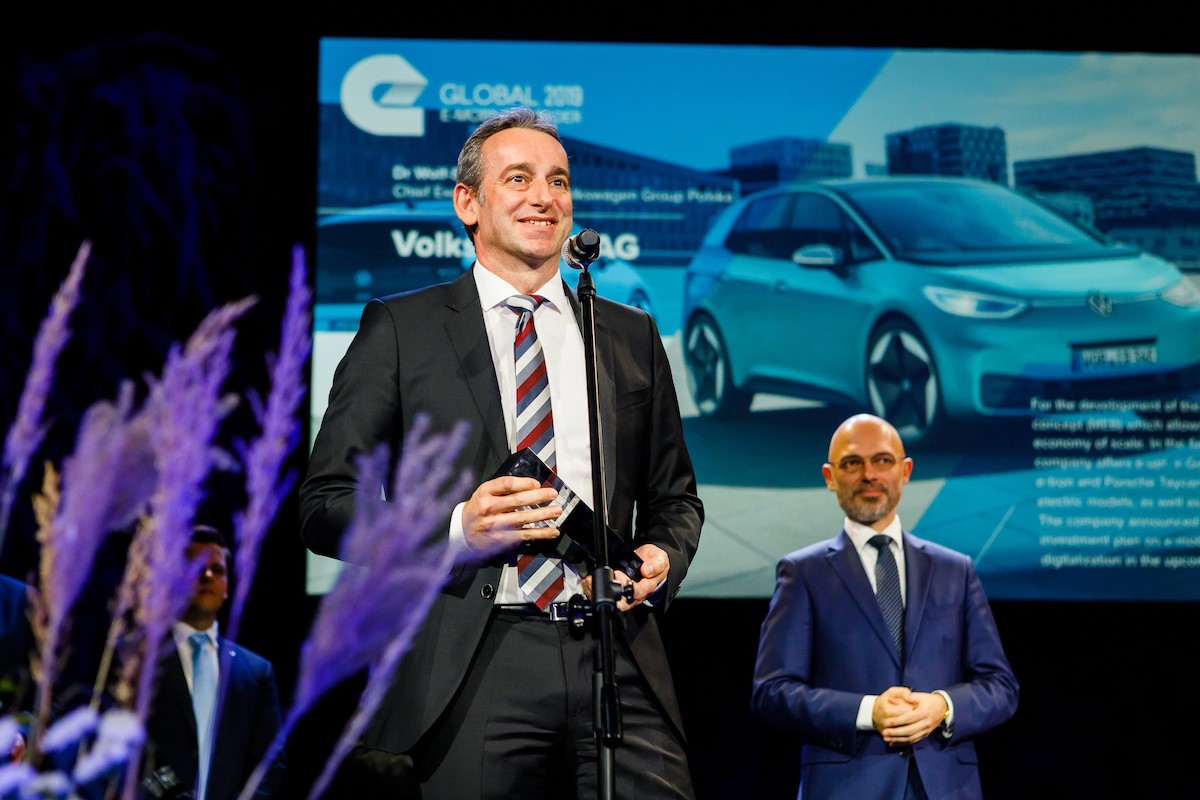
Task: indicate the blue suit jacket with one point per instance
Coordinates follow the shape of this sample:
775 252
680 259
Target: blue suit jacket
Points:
824 645
250 718
16 639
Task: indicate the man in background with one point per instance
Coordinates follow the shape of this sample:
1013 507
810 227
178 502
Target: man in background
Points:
185 731
16 638
880 648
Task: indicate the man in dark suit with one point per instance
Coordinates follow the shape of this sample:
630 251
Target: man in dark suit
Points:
16 639
249 714
885 712
495 697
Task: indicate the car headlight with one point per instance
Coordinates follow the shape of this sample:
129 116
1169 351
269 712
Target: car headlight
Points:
973 304
1184 293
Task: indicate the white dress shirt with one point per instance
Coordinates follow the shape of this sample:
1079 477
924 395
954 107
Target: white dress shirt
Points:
180 631
861 535
562 346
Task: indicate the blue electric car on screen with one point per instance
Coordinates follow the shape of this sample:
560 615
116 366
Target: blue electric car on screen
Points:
928 300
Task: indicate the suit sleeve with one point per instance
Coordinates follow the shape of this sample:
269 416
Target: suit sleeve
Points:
669 511
363 412
783 694
267 721
988 694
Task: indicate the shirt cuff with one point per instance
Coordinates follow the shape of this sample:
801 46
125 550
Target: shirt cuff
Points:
865 713
458 537
948 720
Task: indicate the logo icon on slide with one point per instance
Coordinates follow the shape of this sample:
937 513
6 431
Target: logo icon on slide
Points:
391 113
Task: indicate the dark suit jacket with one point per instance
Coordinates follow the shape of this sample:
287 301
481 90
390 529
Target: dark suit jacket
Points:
824 644
427 351
16 638
250 718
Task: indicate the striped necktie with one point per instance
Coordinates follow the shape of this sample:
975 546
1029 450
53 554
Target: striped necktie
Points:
540 577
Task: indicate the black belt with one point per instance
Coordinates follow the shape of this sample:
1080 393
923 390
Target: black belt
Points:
555 612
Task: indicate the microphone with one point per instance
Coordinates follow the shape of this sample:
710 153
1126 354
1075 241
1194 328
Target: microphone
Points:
581 249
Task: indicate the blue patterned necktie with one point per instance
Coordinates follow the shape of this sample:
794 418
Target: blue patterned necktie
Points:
540 578
887 590
204 696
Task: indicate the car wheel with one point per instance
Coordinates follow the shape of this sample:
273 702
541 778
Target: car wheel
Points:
902 381
709 376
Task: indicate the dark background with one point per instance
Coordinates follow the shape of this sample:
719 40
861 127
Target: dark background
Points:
184 147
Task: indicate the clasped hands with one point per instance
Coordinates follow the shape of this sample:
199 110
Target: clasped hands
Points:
502 513
904 717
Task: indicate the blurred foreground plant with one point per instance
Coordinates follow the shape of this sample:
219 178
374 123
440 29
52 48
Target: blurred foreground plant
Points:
146 467
393 549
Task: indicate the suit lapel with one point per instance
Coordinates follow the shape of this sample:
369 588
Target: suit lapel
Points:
464 326
849 567
232 678
917 567
229 741
174 684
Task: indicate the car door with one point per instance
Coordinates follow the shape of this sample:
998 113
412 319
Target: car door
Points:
814 312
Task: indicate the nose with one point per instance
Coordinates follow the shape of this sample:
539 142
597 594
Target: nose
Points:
540 196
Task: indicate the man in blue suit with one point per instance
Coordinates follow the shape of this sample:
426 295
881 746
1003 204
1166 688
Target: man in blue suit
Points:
886 713
249 716
16 639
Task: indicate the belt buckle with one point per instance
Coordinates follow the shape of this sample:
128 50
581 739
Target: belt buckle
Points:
558 612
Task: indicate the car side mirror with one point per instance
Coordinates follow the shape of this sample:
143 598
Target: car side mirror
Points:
818 255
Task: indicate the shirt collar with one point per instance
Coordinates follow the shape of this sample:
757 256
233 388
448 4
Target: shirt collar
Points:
860 534
181 632
494 290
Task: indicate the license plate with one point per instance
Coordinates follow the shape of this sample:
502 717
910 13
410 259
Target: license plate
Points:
1114 356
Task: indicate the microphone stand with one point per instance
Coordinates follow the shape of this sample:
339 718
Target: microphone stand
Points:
606 701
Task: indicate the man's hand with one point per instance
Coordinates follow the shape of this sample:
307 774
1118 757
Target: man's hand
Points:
904 717
495 517
655 567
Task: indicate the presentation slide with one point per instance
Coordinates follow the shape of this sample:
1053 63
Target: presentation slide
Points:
997 251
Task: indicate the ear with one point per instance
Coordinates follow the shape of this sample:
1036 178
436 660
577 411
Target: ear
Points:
827 471
466 205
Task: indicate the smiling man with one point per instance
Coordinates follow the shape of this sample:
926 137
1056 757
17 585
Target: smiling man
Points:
495 697
879 648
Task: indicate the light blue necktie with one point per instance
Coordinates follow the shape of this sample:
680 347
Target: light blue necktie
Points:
887 590
204 697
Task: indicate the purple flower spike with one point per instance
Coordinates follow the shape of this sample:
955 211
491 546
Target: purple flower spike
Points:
280 426
25 435
393 548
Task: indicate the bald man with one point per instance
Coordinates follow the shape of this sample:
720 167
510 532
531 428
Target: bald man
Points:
888 705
